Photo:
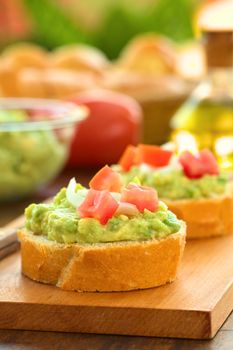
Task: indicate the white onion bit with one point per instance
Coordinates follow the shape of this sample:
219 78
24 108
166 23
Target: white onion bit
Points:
74 197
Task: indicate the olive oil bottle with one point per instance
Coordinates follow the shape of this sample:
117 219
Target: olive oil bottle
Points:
206 118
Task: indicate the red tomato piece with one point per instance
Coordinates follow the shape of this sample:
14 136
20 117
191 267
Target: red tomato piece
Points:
196 166
153 155
141 196
106 179
99 205
209 162
192 166
128 158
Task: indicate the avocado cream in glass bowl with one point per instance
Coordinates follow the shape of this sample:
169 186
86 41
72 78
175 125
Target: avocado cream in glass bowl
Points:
35 135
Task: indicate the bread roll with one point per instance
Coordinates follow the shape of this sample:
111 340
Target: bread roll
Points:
62 83
8 79
79 58
149 53
53 83
25 55
30 83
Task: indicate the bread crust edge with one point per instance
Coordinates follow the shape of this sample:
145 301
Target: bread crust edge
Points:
206 217
102 267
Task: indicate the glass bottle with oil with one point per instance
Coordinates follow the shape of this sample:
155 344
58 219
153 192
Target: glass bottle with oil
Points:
206 118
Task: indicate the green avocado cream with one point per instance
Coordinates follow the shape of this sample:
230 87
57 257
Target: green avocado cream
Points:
173 184
28 158
59 221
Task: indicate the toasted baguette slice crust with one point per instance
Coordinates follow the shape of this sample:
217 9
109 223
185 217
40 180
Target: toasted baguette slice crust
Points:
102 267
205 217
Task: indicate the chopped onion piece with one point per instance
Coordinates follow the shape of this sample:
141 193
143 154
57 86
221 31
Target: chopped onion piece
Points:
75 197
127 209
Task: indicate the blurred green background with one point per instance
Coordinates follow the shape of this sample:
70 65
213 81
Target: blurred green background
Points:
106 24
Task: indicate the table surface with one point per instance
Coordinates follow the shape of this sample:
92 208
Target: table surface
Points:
20 340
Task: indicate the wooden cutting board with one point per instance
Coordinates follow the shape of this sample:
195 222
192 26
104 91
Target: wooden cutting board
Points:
194 306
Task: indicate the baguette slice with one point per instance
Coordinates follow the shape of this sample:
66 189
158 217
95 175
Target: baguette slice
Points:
102 267
207 217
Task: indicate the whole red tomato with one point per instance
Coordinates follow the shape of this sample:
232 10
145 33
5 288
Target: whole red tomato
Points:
114 122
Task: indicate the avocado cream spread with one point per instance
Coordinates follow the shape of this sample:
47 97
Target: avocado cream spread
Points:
59 221
28 158
173 184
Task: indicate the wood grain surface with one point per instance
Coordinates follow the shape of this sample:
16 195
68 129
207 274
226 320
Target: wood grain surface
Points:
25 340
195 306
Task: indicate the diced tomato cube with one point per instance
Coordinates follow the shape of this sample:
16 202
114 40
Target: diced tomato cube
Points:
141 196
153 155
99 205
209 161
192 166
106 179
128 158
196 166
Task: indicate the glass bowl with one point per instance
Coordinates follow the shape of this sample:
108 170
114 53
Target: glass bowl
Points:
35 135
